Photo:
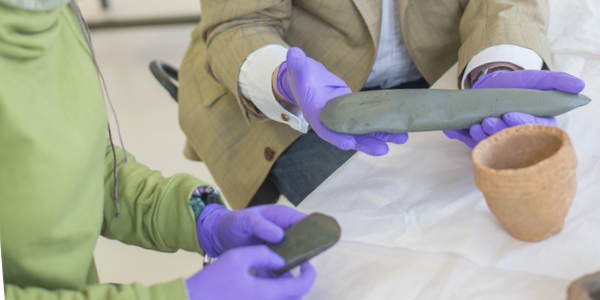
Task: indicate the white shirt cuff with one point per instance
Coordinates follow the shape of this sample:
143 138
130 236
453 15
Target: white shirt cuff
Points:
517 55
254 82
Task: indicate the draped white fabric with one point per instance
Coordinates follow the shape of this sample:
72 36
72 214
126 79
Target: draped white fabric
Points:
416 227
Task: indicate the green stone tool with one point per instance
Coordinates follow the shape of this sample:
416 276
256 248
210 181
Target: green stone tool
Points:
428 110
306 239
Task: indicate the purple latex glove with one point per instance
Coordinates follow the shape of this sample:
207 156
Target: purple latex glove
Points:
523 79
306 83
229 278
220 229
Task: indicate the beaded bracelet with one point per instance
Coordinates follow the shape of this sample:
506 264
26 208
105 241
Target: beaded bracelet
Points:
201 197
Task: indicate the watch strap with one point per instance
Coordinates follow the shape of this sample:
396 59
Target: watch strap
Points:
203 196
490 70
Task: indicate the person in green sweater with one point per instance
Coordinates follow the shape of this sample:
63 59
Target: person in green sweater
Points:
63 183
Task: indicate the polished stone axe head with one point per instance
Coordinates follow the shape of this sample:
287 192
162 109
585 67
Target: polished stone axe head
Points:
306 239
427 110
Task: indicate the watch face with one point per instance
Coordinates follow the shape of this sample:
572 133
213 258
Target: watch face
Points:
481 73
500 68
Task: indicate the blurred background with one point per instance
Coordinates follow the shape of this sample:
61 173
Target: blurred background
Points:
146 112
105 12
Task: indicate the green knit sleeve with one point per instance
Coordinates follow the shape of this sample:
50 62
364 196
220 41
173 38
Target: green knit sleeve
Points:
174 290
154 210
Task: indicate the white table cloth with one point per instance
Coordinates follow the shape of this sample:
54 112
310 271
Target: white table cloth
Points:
416 227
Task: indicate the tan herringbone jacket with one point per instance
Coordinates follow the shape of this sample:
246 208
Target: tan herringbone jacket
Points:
341 34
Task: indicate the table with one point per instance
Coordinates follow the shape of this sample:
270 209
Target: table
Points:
416 227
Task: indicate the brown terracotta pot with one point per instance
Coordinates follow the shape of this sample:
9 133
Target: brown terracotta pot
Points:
527 176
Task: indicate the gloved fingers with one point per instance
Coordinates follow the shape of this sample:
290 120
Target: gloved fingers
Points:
292 286
267 273
281 215
477 133
296 60
532 79
493 80
254 257
493 125
286 275
249 224
371 146
308 272
461 135
264 273
547 80
266 230
340 140
519 118
396 138
283 83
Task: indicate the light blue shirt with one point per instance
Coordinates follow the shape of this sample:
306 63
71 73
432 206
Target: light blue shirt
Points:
393 64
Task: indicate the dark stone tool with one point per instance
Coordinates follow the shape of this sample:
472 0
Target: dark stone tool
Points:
306 239
427 110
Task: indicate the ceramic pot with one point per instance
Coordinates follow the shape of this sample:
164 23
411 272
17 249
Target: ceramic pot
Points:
527 176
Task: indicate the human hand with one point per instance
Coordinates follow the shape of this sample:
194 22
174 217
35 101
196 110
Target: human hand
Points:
307 84
230 277
490 126
523 79
220 229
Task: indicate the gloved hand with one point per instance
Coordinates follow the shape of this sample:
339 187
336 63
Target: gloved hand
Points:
220 229
306 83
229 277
522 79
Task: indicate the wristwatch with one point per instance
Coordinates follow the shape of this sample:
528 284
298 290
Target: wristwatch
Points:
492 70
203 196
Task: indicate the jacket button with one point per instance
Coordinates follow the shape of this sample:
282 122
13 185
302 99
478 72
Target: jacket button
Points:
269 154
284 117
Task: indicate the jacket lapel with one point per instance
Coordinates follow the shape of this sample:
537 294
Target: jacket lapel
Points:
371 13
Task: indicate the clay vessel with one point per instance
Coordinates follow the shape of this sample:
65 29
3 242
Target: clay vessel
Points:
527 176
585 288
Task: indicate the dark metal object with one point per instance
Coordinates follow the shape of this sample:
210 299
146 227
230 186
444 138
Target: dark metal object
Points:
428 110
166 75
105 4
306 239
195 19
492 70
585 288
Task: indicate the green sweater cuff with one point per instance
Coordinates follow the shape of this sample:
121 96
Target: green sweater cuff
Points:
176 220
173 290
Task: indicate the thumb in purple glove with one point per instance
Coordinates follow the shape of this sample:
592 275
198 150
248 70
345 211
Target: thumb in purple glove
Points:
306 83
220 229
230 277
542 80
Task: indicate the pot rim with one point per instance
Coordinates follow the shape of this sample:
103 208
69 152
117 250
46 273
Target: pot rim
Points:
509 132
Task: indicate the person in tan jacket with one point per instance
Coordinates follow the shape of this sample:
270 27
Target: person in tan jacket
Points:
246 110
